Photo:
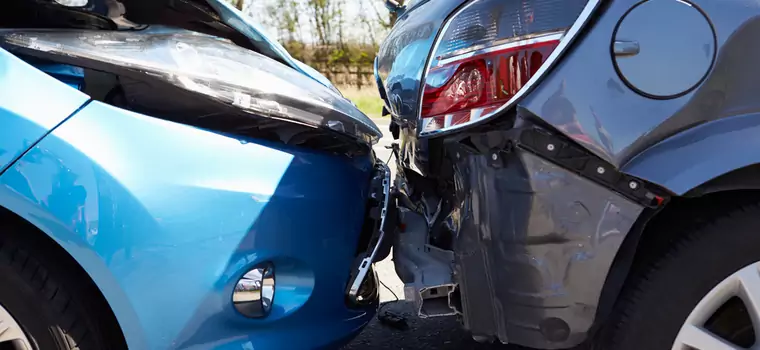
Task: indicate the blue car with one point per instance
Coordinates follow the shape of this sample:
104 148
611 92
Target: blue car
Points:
172 178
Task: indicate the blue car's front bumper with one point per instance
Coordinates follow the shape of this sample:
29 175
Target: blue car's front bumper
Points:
165 218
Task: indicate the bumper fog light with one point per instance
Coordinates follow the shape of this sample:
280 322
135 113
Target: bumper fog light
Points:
254 293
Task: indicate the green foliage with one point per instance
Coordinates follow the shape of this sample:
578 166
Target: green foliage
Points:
366 99
239 4
323 45
355 54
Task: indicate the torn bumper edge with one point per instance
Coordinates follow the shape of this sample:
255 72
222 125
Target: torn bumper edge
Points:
380 242
533 244
426 270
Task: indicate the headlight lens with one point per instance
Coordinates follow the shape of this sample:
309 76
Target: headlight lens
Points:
207 65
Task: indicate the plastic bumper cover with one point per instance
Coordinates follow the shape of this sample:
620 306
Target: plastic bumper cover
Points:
532 245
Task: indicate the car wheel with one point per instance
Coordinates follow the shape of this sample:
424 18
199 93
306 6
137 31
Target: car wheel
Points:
702 293
44 305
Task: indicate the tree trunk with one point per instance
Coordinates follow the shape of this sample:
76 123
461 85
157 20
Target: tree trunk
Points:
394 15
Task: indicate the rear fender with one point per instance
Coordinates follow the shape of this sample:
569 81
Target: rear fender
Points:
689 161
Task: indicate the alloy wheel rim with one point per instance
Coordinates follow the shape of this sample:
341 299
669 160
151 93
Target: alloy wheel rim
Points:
11 333
743 284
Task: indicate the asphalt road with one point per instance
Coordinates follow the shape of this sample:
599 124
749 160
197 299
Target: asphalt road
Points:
432 333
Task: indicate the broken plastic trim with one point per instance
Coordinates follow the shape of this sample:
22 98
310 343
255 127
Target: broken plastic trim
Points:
377 241
426 270
206 65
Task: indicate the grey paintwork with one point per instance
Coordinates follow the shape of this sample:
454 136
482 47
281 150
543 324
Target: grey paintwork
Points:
623 123
404 53
528 254
671 59
693 157
547 238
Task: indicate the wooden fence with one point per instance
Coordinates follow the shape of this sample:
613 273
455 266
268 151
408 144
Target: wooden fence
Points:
352 74
349 64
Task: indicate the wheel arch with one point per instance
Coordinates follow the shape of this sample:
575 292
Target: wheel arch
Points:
36 234
708 170
658 229
696 160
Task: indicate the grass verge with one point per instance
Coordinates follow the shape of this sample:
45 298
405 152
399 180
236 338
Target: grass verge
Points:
367 99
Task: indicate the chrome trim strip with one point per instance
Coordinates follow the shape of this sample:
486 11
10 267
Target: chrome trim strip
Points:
570 35
367 262
517 42
499 42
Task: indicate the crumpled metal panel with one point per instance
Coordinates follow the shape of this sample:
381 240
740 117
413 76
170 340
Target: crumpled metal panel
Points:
545 239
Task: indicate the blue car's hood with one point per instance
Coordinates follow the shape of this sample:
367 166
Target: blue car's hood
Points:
214 17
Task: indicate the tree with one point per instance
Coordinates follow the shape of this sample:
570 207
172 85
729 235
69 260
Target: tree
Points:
394 15
284 16
239 4
387 22
322 14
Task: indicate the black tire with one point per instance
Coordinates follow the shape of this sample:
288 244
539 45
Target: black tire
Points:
49 298
657 300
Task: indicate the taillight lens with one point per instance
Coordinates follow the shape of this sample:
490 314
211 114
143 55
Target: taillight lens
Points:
489 52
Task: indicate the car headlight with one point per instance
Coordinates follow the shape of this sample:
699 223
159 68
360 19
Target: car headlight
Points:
204 64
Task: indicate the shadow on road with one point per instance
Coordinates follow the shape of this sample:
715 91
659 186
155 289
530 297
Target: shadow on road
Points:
442 333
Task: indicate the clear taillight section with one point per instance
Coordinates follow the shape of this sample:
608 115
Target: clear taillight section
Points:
488 52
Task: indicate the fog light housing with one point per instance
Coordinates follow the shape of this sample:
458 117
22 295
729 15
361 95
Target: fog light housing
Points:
254 292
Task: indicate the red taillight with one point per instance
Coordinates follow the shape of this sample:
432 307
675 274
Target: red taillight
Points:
480 83
487 54
466 88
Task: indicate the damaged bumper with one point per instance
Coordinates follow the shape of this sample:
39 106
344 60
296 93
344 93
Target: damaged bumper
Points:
518 245
379 226
425 269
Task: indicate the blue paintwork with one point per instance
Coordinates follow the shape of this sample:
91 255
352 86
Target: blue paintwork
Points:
72 76
167 224
31 103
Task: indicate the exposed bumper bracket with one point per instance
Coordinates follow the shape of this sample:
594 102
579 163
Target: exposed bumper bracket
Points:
426 270
379 241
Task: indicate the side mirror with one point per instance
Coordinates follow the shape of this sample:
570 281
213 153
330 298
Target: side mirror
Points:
394 7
